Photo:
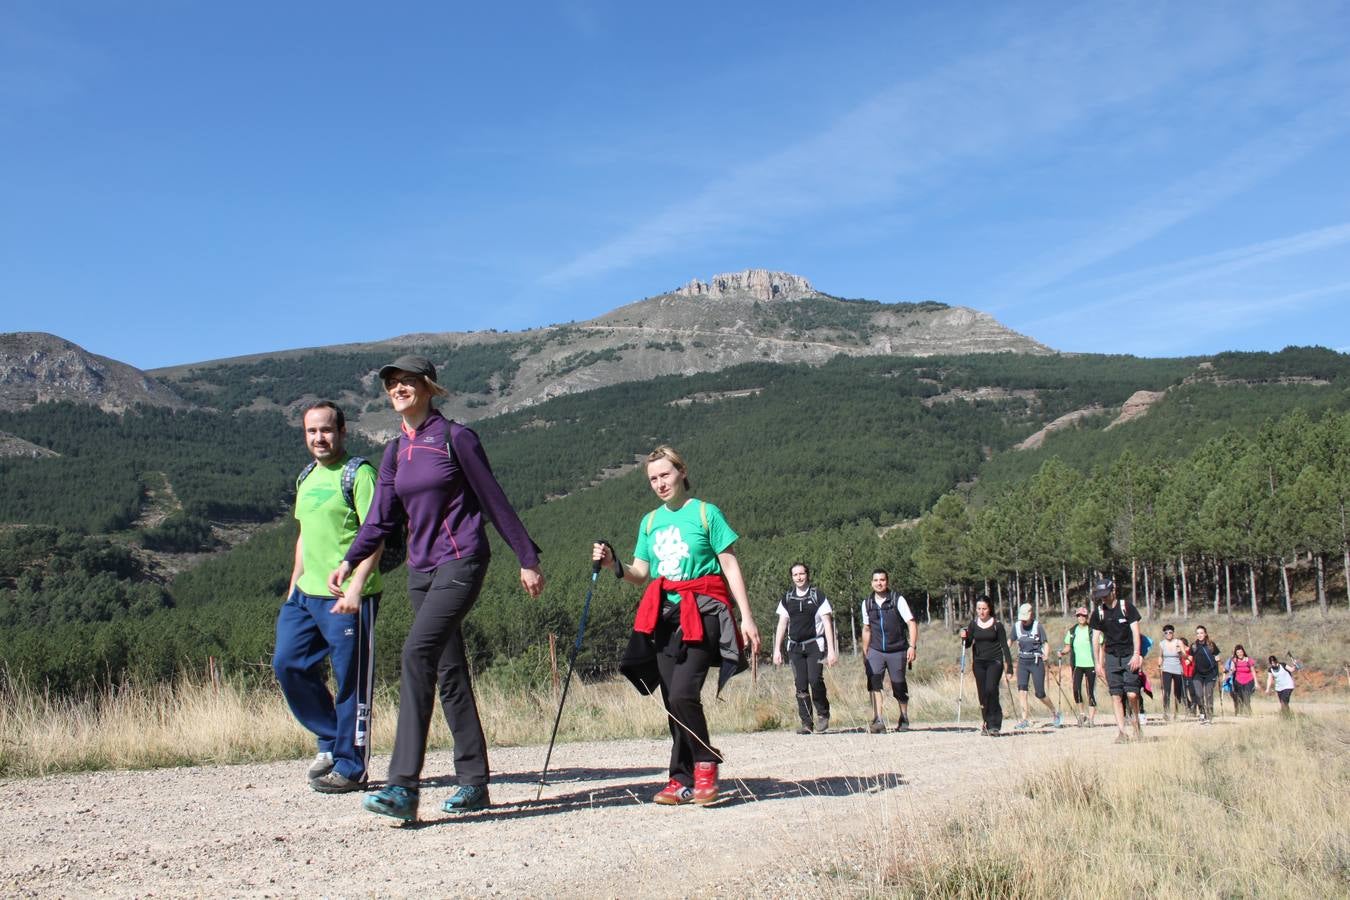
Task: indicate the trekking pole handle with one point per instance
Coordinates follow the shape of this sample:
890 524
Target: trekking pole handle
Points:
614 555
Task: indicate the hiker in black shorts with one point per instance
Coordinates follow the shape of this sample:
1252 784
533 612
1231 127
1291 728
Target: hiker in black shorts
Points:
806 620
988 642
889 635
1030 639
1118 659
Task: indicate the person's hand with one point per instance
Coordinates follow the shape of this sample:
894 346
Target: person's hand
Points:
532 580
831 659
751 634
1101 672
909 655
1136 663
347 604
963 633
1008 677
1061 652
777 657
600 553
337 576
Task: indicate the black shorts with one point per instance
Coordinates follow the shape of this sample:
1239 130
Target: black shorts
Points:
1119 679
878 664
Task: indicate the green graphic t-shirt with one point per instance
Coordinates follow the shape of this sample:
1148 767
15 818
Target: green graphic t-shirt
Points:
683 543
328 525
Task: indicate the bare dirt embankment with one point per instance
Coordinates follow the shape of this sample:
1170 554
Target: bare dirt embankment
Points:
799 809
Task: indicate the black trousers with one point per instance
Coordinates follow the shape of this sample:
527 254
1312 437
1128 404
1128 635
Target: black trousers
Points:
1174 691
433 654
987 678
683 668
808 668
1088 674
1204 693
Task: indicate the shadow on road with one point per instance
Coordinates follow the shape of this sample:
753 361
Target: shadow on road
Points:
734 792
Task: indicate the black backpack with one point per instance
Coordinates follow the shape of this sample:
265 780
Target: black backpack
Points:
396 543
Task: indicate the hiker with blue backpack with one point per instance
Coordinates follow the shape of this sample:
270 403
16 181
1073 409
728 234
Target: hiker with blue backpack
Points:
1119 660
684 626
1029 639
436 480
332 497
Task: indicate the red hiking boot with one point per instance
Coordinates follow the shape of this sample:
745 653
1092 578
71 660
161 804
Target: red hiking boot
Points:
674 794
705 782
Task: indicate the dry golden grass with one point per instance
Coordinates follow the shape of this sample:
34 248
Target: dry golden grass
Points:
1256 810
193 722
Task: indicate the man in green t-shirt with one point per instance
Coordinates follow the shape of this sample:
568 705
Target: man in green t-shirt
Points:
332 496
1078 643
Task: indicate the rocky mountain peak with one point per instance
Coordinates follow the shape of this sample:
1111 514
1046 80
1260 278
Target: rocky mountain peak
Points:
759 284
37 367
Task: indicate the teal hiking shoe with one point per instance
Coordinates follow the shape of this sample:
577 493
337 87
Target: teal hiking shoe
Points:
468 798
1058 722
394 801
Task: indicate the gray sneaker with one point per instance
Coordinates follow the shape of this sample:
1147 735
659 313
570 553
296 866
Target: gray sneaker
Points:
876 726
822 724
322 765
334 782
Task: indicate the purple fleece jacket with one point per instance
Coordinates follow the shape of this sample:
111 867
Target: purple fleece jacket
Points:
443 500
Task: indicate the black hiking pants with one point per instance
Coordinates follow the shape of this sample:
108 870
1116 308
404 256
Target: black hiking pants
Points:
433 654
1204 693
808 668
683 668
987 678
1088 674
1174 694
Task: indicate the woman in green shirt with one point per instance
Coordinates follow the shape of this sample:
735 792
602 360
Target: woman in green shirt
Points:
684 618
1078 642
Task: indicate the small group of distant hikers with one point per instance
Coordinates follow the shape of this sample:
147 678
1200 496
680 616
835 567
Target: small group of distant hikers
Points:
429 501
1107 643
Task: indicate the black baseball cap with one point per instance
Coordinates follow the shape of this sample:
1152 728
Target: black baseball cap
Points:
415 365
1103 588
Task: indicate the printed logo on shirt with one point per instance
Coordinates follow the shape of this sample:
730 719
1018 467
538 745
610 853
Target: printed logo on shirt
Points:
670 549
316 496
428 440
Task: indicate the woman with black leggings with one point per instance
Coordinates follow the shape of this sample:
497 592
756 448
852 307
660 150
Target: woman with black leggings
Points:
990 660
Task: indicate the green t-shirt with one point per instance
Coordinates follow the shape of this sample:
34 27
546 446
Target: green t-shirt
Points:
328 525
1080 636
683 544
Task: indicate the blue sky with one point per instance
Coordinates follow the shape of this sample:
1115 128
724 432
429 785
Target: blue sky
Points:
189 180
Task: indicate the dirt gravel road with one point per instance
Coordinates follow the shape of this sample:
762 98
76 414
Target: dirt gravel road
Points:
798 809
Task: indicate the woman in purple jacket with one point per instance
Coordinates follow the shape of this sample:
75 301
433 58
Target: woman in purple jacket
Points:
437 479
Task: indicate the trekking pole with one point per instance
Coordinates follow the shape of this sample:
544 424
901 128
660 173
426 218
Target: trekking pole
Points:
961 689
571 663
1059 683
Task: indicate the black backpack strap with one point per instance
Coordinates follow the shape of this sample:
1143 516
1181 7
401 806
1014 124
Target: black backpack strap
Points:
304 473
349 481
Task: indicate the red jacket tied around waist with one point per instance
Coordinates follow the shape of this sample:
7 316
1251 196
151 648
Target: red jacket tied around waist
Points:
691 621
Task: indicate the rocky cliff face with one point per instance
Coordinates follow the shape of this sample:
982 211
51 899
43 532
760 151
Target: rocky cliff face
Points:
755 315
757 284
36 367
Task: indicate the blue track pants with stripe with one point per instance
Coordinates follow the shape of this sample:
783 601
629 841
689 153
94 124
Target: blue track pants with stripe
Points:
307 633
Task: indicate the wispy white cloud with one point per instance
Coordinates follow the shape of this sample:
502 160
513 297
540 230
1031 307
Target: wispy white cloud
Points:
906 137
1189 196
1203 323
1208 269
